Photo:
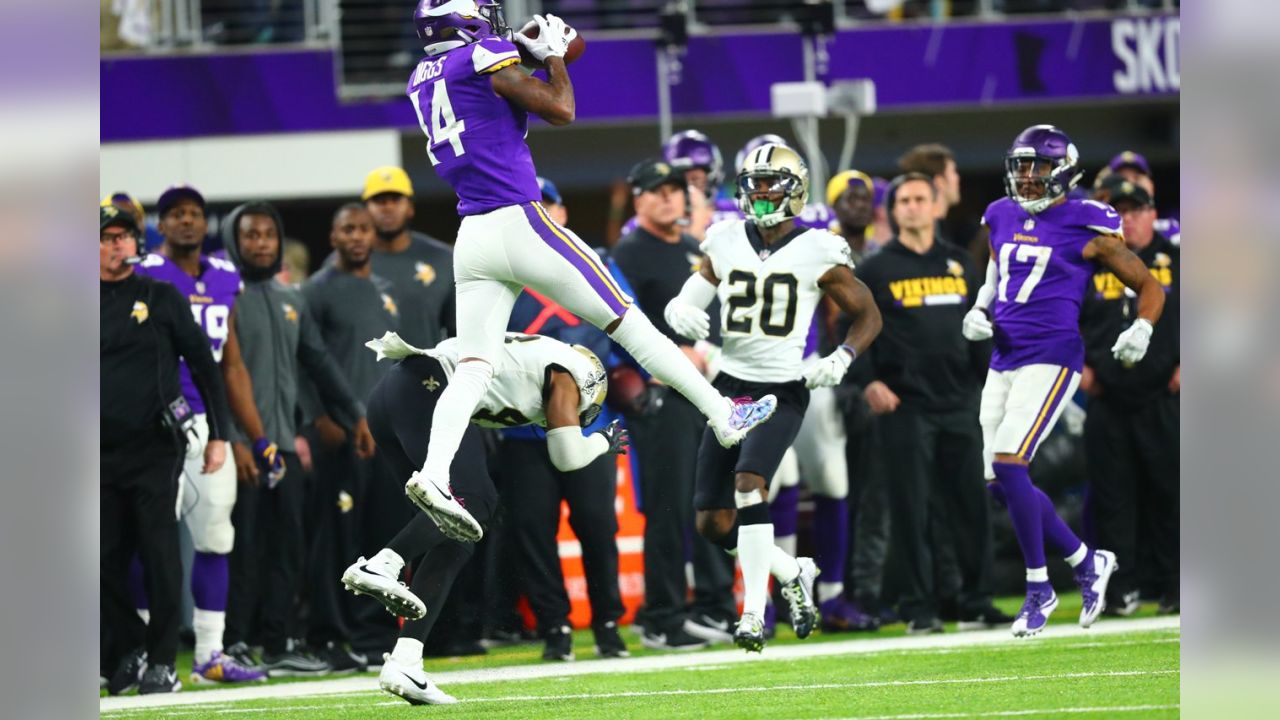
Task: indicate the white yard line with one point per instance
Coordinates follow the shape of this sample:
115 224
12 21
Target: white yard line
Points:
227 710
1013 713
935 643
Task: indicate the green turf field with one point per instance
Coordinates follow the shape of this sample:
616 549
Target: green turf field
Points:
1097 674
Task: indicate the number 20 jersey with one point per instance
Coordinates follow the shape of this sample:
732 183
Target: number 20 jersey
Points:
768 297
1042 277
475 138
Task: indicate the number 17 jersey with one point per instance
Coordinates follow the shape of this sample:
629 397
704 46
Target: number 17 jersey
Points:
768 295
475 138
1042 277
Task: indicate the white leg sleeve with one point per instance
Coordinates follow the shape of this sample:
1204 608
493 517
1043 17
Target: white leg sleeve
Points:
484 308
657 354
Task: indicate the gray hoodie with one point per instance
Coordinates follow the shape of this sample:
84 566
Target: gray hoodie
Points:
278 336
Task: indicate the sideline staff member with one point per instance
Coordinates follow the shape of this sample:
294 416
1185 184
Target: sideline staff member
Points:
146 325
1131 432
926 389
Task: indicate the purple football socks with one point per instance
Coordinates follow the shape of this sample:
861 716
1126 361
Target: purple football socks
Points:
209 581
1057 533
784 511
830 536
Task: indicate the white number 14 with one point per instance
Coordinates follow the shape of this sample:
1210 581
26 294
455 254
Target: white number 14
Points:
445 126
1025 253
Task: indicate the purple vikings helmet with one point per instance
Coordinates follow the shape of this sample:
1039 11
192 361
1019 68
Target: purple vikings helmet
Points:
752 144
691 149
1044 155
447 24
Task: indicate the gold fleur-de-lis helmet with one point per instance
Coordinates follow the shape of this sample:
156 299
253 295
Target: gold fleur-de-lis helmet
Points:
772 185
593 385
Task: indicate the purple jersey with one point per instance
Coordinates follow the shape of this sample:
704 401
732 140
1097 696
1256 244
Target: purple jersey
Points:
1042 278
211 295
817 216
725 208
1170 227
475 138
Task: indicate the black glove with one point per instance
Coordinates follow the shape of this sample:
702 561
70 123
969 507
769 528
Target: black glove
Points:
617 436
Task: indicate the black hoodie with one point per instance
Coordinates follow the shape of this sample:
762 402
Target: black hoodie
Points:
278 337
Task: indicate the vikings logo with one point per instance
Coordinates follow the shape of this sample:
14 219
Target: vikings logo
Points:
290 313
955 269
424 273
389 305
140 313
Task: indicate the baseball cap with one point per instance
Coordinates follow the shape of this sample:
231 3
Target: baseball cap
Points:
649 174
841 181
109 215
1118 190
387 179
123 198
1128 158
549 191
172 195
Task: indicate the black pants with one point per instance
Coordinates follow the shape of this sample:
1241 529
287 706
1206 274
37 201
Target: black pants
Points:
535 494
927 455
666 445
1134 473
400 415
266 560
869 516
138 511
357 506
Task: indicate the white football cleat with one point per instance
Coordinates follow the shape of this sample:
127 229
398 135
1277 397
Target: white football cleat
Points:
799 596
380 580
1093 583
411 684
443 508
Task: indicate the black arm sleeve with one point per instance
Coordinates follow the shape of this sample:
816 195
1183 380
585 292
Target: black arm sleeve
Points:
334 391
193 346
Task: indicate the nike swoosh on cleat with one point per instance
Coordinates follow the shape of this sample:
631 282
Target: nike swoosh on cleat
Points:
420 686
446 495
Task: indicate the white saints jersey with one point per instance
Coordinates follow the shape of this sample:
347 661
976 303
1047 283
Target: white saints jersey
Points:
517 394
768 296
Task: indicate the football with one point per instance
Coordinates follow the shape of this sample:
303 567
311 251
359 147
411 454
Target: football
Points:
530 30
626 388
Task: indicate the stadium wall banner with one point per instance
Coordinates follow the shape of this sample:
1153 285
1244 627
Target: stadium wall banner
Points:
915 67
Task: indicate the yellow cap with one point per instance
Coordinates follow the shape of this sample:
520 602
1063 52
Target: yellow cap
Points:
840 183
388 179
125 199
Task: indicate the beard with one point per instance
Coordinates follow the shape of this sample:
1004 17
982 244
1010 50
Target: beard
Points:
389 235
357 263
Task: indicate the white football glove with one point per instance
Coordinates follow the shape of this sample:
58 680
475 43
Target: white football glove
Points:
828 371
552 41
687 320
977 326
1132 344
